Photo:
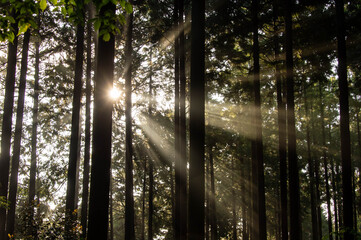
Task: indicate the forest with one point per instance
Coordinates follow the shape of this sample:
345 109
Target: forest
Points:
180 119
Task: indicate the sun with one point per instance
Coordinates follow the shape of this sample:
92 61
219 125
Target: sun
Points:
115 94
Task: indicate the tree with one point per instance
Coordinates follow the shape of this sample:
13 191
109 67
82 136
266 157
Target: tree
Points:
294 185
74 156
10 220
259 211
196 125
129 199
6 130
344 123
102 127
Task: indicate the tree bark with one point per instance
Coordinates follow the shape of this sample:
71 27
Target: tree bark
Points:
88 92
10 220
324 153
34 136
294 185
74 156
281 106
344 123
315 225
214 225
102 132
6 130
259 209
197 124
151 167
129 199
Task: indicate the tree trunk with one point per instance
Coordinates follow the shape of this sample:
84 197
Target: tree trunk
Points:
281 106
344 123
151 167
6 130
182 127
34 136
111 220
129 199
207 191
197 124
214 232
324 153
294 185
259 209
143 197
315 225
102 133
10 220
243 199
234 213
177 159
74 156
85 193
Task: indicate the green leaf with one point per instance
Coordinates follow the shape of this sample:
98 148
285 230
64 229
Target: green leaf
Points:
128 7
23 28
43 4
97 24
106 37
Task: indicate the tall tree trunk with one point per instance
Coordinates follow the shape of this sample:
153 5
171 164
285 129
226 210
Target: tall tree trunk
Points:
324 153
88 90
281 106
197 124
6 130
129 199
177 158
335 202
74 156
294 185
143 197
10 220
111 219
207 191
315 229
243 199
259 208
214 225
234 213
102 133
344 123
317 174
34 136
182 127
151 167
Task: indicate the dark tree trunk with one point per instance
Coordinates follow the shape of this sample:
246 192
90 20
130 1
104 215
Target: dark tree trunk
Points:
335 202
294 185
143 197
34 136
129 199
10 220
314 217
207 191
102 132
88 90
6 130
177 158
281 106
151 167
182 127
324 153
213 210
111 220
74 156
259 208
197 124
344 122
234 213
243 199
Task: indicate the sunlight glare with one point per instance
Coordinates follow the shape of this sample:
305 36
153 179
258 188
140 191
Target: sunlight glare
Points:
114 94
